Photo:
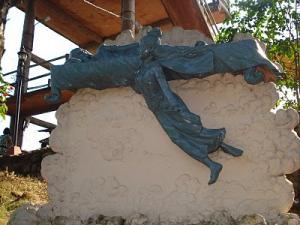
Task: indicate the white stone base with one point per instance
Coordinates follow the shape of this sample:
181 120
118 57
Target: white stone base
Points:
32 215
115 159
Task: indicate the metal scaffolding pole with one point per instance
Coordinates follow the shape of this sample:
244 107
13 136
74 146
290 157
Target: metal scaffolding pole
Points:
23 55
17 121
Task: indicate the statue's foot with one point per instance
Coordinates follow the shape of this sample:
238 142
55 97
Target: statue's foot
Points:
231 150
215 169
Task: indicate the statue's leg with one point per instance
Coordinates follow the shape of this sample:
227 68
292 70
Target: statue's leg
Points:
182 126
215 169
231 150
197 152
54 97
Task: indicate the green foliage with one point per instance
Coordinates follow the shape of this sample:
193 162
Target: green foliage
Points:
274 23
4 88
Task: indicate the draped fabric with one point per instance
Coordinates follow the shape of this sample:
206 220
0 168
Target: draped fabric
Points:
116 66
182 126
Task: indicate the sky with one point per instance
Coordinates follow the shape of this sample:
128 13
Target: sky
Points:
47 45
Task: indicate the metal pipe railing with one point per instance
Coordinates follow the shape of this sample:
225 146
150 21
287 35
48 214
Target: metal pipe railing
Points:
33 78
26 80
40 76
39 64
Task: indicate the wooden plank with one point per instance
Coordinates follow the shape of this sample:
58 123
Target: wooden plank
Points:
161 23
91 47
188 15
86 25
42 123
63 23
36 59
92 17
147 12
33 103
219 10
219 16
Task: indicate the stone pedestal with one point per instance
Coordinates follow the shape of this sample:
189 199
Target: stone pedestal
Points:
113 156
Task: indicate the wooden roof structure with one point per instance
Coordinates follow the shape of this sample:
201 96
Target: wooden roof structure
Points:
88 22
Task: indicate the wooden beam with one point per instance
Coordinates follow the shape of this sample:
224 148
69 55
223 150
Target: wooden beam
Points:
33 103
91 46
36 59
219 10
42 123
63 23
160 23
128 15
67 21
188 15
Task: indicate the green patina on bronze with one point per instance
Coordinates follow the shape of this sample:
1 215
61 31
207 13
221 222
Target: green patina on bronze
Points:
147 66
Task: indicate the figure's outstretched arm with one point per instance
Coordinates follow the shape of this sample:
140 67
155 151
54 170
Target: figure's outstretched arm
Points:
252 76
255 75
268 74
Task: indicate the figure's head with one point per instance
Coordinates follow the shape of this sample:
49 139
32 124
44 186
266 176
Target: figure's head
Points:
154 32
6 131
152 37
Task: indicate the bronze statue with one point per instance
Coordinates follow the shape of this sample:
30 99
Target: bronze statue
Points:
147 67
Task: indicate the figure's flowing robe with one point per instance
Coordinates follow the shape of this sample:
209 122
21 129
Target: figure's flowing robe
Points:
183 127
118 66
111 67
